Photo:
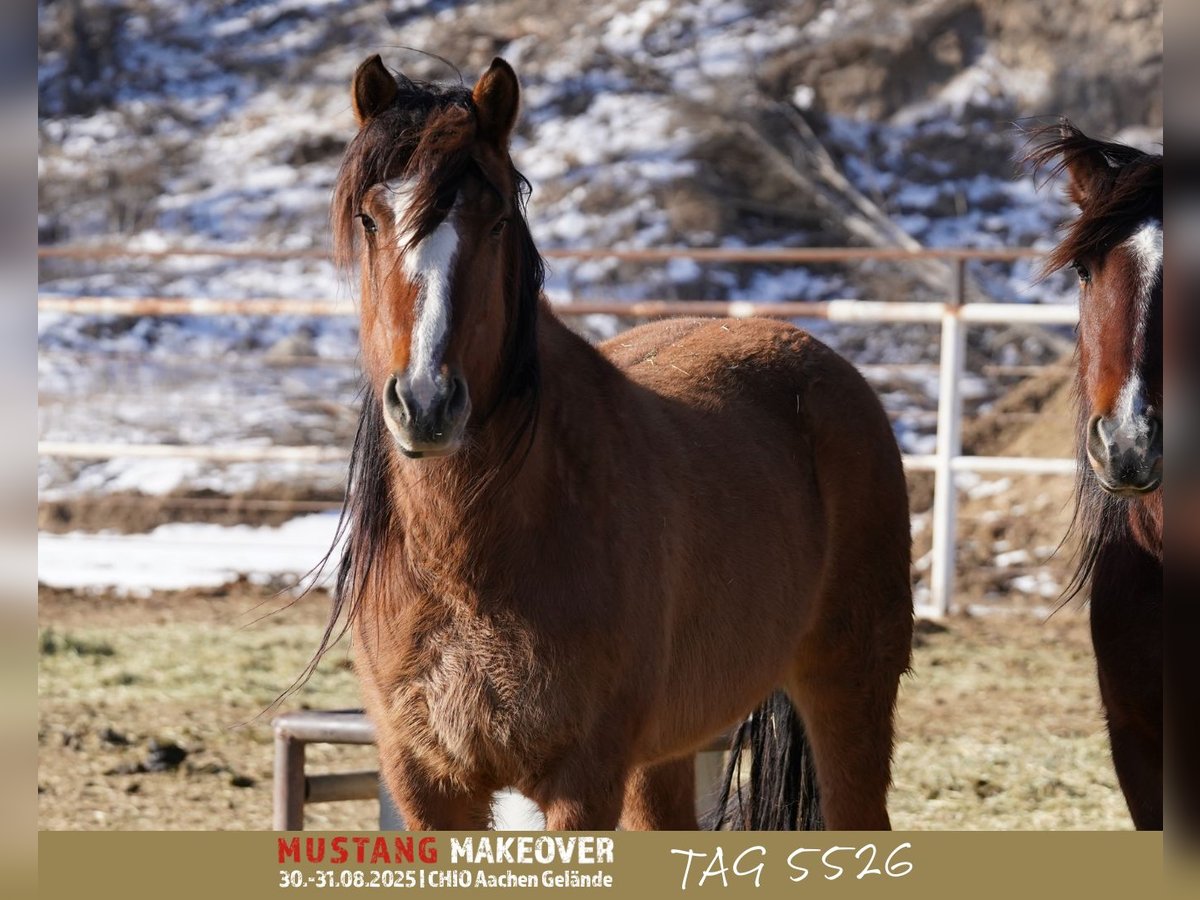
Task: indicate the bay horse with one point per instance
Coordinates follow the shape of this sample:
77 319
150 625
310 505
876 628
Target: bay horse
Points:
1115 246
568 568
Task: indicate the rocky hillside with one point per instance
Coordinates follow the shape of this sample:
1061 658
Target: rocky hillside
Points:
656 123
680 122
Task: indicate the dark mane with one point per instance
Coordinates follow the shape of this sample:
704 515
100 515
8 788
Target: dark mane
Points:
1129 195
1099 518
426 136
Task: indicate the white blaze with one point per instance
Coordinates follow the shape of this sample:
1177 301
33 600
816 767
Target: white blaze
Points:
429 266
1146 247
1146 244
1130 412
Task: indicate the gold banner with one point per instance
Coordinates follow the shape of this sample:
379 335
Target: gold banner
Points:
1013 865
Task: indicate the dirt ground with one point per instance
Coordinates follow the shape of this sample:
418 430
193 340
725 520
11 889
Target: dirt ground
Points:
999 722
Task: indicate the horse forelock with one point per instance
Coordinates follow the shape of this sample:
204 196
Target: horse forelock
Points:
1133 200
1130 197
424 138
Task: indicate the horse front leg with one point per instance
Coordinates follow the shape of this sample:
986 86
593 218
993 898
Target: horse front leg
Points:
427 802
584 794
661 797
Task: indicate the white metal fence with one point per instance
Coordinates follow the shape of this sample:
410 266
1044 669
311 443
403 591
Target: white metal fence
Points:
954 315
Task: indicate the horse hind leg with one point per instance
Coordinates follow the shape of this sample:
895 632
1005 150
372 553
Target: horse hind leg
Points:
661 797
844 685
837 710
850 729
845 681
858 642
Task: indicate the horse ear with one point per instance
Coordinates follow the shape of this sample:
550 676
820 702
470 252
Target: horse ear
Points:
1087 173
497 97
374 89
1091 165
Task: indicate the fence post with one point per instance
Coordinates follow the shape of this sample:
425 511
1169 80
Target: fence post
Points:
289 786
949 446
710 771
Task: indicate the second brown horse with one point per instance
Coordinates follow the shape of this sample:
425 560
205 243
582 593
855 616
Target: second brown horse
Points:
568 568
1115 246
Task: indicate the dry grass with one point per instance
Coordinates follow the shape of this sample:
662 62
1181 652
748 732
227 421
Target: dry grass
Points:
190 670
999 723
1000 728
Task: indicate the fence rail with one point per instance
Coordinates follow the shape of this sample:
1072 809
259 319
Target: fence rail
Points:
647 254
954 315
831 310
294 788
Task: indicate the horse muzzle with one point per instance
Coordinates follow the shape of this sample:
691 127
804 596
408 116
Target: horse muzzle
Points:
1126 454
426 417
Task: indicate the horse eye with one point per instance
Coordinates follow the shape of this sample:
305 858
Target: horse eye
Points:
368 223
499 227
1084 273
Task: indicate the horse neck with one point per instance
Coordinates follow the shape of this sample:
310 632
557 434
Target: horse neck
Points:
484 506
1103 520
1146 523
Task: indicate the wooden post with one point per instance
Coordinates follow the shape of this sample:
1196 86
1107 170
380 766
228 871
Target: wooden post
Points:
949 446
289 782
710 769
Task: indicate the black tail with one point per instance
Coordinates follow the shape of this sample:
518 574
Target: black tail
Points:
781 794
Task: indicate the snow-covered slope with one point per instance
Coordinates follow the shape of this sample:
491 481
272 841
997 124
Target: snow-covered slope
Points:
657 123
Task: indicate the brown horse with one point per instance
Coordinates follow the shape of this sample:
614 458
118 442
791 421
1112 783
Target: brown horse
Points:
1115 246
568 568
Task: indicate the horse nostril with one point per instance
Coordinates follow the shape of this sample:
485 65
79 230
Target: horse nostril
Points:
456 396
396 396
1154 431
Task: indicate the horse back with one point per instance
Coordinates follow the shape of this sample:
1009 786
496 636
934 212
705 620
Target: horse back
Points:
750 381
739 362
